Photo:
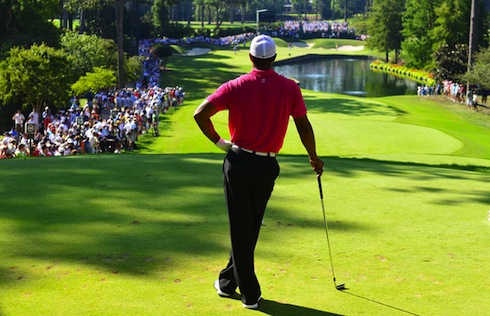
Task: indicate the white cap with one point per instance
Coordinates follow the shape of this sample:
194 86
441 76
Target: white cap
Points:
263 47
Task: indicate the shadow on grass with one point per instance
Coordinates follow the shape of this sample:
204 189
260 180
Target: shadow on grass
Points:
135 214
282 309
202 77
388 306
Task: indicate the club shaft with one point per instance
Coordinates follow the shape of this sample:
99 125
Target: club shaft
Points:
326 229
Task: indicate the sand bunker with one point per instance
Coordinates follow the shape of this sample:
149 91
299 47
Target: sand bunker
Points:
198 51
350 48
302 45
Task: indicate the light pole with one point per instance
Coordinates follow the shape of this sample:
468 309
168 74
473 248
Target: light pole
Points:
258 18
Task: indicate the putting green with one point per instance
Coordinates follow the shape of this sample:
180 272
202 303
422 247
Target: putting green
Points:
366 138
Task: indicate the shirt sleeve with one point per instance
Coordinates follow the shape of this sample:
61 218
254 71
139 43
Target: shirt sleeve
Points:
220 98
299 106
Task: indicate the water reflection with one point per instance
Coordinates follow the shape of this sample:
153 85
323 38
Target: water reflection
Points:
346 76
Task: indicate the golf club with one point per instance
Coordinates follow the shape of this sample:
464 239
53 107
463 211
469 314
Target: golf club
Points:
339 287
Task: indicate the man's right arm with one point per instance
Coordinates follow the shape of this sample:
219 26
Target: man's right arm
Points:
202 115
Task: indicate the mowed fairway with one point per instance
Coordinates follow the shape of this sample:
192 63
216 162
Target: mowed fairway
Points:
406 193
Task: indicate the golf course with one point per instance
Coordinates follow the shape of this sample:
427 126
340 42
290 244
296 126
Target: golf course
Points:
406 193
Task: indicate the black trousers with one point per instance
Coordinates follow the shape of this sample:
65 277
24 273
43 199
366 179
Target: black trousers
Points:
248 183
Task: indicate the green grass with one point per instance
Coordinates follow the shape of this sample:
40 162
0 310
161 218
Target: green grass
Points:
405 190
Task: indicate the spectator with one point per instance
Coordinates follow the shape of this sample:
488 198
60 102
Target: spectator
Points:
19 120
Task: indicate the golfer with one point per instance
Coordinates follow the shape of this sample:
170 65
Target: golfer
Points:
259 105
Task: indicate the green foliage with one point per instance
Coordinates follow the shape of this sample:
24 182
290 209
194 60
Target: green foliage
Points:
417 52
162 53
36 77
74 5
452 24
24 22
159 17
419 17
480 71
385 25
178 30
88 51
100 79
133 69
451 62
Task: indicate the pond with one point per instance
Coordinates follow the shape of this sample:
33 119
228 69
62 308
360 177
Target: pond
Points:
351 76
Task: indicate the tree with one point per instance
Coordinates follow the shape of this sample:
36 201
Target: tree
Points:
417 48
480 71
451 62
88 51
159 17
24 22
162 53
452 23
133 68
80 6
385 25
36 77
119 5
101 78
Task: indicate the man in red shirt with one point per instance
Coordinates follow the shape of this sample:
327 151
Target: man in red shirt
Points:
259 104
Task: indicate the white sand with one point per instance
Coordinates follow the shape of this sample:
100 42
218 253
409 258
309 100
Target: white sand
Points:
302 45
198 51
344 48
350 48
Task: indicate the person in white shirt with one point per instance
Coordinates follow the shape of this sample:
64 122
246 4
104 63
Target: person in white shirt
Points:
19 120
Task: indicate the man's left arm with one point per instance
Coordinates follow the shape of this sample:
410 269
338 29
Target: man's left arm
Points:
307 136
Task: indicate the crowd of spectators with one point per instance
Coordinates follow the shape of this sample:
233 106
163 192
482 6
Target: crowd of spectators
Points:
107 122
320 28
456 91
473 98
151 65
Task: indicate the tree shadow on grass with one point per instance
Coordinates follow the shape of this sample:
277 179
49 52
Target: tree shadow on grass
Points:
134 214
269 307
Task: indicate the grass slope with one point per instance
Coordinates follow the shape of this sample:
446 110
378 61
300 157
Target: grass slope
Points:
406 197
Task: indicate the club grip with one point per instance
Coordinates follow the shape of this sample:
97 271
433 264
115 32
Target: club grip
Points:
320 186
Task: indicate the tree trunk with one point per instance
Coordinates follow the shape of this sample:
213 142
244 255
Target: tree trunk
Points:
242 12
202 16
82 21
345 10
189 9
9 20
473 40
70 21
61 14
120 43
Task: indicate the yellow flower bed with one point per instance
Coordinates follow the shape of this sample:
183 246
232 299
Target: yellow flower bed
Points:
403 72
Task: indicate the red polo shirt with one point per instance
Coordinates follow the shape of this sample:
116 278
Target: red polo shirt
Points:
259 104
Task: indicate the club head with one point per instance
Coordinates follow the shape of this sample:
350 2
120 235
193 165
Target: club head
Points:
340 287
